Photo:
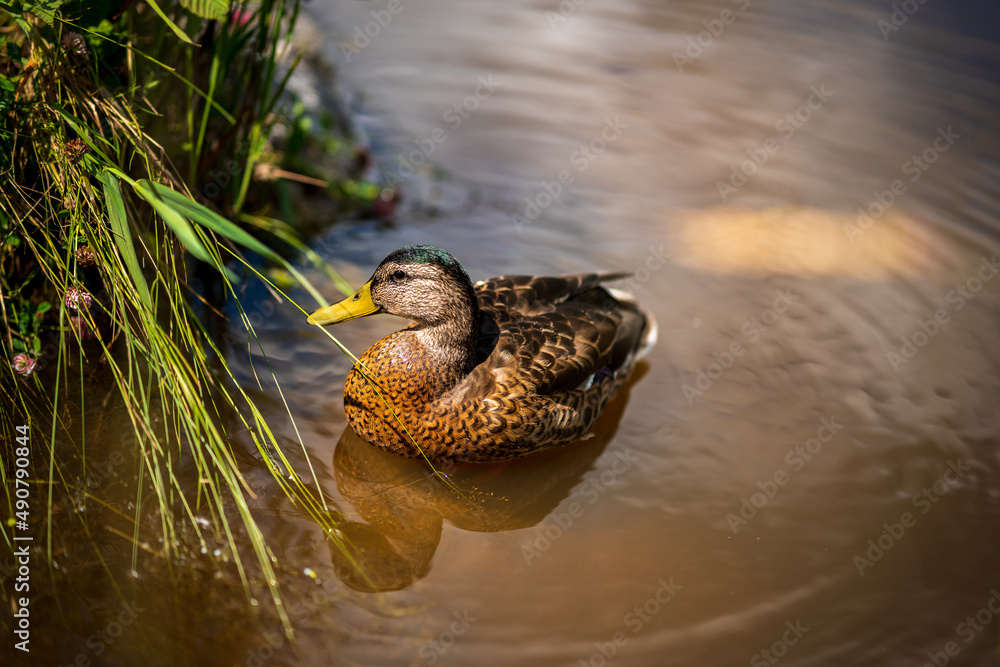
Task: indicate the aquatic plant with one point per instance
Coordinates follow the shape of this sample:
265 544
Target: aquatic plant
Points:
113 220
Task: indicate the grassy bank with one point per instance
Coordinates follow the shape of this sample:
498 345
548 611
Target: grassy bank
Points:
138 175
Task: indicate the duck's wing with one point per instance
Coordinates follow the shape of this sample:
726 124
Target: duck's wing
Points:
509 298
556 333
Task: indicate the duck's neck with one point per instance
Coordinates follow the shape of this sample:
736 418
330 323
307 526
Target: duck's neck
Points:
453 342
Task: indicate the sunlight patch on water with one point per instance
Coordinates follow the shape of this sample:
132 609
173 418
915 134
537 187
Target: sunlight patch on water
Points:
806 242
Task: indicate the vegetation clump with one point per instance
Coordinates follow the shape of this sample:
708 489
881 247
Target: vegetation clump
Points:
130 135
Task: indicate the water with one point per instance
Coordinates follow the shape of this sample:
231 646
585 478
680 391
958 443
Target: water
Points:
807 464
804 470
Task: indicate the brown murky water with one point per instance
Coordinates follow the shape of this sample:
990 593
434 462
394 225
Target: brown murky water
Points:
805 471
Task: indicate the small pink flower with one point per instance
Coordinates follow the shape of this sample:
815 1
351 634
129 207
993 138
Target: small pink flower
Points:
81 327
76 296
24 365
240 18
75 43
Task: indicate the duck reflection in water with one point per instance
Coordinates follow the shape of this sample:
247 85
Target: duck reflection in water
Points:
404 503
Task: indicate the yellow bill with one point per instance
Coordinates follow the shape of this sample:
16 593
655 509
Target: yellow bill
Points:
357 305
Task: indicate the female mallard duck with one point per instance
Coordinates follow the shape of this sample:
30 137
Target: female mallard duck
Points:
491 371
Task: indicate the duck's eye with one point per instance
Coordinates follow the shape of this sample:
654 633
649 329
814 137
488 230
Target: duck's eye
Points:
398 274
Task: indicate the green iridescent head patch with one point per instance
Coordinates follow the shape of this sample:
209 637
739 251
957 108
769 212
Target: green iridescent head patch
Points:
426 254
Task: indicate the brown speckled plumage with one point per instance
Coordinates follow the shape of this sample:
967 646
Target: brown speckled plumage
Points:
531 365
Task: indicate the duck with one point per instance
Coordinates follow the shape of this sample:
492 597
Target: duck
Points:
490 371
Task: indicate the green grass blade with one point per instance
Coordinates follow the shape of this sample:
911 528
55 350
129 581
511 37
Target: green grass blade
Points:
213 79
215 222
173 72
76 124
280 89
207 9
173 26
122 236
254 142
180 226
284 232
212 220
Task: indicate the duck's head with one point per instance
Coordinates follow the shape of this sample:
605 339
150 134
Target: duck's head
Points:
419 282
